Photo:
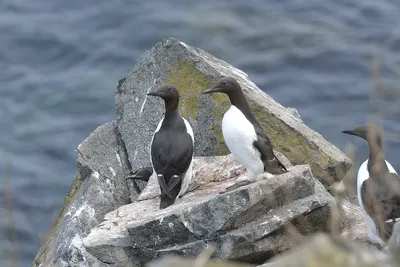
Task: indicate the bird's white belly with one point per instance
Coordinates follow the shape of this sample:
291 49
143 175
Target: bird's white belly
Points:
188 175
239 135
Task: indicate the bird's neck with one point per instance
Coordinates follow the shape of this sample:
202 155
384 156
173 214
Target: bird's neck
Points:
171 108
238 100
376 162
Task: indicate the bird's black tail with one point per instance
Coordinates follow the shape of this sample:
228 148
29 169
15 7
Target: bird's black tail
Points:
165 200
275 166
282 166
387 228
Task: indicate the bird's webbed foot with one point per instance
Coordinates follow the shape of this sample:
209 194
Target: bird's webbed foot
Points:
235 185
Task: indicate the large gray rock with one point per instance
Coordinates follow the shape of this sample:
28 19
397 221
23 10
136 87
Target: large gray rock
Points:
121 146
193 70
247 224
98 189
206 170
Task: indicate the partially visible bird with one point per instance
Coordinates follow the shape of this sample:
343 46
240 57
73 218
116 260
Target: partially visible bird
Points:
172 148
142 174
378 187
244 136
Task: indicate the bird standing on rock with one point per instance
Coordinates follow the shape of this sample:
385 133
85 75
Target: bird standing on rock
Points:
244 136
378 187
172 148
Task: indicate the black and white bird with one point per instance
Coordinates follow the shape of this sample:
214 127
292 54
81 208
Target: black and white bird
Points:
378 187
172 148
244 136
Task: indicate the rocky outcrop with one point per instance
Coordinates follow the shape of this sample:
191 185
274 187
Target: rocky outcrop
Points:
193 70
247 224
98 189
122 146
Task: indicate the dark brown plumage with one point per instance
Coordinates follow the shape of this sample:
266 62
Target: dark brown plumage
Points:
380 192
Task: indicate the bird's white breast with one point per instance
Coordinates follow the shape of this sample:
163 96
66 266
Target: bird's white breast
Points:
239 135
189 129
188 176
363 175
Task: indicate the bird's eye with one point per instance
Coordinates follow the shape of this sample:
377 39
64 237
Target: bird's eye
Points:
169 88
224 83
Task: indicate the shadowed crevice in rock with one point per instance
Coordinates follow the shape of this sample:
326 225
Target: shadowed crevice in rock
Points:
123 154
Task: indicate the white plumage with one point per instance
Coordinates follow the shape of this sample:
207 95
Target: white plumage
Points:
239 135
363 175
188 175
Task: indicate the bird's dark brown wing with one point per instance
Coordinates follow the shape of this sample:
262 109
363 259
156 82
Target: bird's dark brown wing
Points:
381 199
271 163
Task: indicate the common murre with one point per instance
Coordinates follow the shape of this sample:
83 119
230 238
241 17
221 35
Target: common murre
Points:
172 148
378 187
244 136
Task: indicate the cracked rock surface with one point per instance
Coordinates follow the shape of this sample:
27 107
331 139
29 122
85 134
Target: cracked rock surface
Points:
247 224
98 189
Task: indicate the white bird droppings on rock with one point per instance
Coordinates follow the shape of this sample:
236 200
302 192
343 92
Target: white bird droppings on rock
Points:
96 175
182 43
85 207
112 171
145 98
119 159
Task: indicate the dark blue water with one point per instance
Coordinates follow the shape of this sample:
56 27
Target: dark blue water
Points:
60 62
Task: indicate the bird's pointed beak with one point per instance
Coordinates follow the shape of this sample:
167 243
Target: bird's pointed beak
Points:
211 90
142 174
159 94
351 132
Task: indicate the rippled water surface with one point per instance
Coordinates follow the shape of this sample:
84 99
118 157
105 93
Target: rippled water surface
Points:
60 62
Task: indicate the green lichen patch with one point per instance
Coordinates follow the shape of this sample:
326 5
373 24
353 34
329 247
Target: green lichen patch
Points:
139 75
71 196
288 141
222 104
190 83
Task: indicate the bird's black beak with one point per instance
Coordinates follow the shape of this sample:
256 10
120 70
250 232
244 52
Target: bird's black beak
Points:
351 132
142 174
211 90
159 94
